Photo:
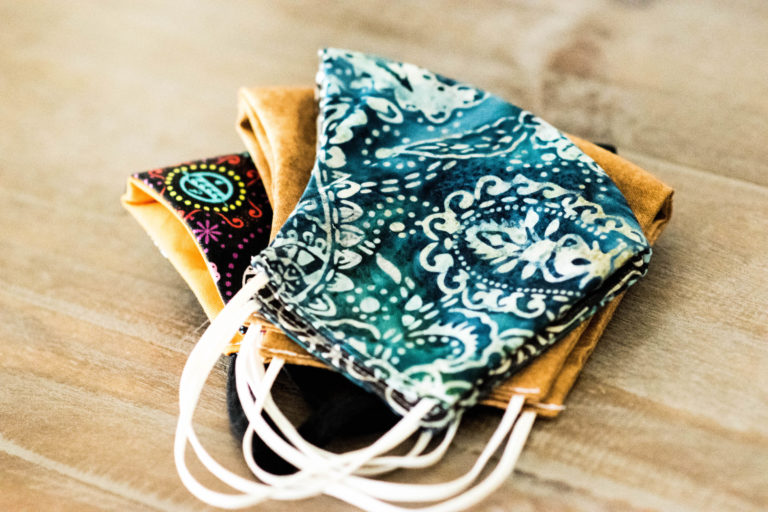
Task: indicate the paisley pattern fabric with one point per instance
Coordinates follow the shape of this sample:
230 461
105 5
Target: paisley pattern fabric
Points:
446 237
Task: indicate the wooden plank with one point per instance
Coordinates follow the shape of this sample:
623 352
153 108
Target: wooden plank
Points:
690 90
35 482
702 312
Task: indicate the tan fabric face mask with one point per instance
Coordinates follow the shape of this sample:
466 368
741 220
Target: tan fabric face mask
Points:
277 126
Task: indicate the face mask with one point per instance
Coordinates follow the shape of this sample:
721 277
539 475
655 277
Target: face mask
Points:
277 126
438 283
282 120
445 239
208 217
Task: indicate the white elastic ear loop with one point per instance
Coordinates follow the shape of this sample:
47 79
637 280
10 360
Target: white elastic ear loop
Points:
195 373
473 496
414 458
296 479
213 342
250 367
201 361
249 364
193 379
308 477
253 368
261 390
258 491
303 487
340 464
469 498
250 376
220 332
402 492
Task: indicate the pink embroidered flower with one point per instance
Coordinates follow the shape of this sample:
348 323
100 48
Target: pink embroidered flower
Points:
207 232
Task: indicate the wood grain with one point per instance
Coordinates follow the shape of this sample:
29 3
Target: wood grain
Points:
670 413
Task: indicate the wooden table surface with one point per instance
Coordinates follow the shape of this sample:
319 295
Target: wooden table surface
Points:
671 411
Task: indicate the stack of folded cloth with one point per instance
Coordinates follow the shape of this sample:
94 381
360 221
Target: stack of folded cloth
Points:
211 217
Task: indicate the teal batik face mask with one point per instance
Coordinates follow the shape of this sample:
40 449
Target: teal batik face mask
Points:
445 238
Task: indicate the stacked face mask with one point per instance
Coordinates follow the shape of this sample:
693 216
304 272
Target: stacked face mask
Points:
445 237
444 241
277 126
208 217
